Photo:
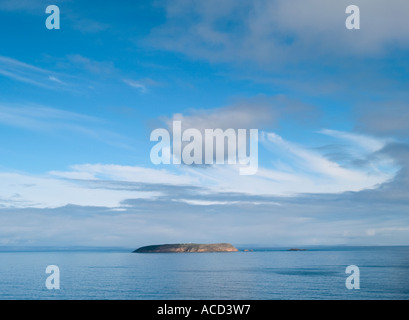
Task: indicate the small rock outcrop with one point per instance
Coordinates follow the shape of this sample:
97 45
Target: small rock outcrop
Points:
187 247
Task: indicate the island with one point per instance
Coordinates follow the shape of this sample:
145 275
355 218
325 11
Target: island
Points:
187 247
296 249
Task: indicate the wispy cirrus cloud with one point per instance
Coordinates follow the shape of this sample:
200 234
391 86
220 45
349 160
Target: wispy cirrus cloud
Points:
365 142
28 191
42 118
77 73
55 79
324 175
142 85
26 5
288 169
27 73
49 120
111 172
86 25
307 171
90 65
142 88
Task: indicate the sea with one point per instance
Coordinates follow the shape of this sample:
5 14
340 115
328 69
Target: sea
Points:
319 273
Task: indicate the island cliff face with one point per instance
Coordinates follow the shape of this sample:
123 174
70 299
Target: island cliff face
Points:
187 247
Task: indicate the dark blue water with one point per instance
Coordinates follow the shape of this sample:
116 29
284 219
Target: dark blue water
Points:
262 274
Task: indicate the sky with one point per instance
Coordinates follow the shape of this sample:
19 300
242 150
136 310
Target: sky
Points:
78 105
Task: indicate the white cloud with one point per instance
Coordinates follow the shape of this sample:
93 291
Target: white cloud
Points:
90 65
269 32
111 172
137 85
27 73
37 117
237 117
55 79
307 171
142 85
364 142
196 202
45 119
318 174
28 191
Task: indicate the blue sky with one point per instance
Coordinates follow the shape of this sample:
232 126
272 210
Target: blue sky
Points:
77 106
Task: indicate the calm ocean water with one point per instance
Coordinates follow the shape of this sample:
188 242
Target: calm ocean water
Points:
262 274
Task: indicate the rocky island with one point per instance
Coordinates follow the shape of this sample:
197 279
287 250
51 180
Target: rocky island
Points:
187 247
